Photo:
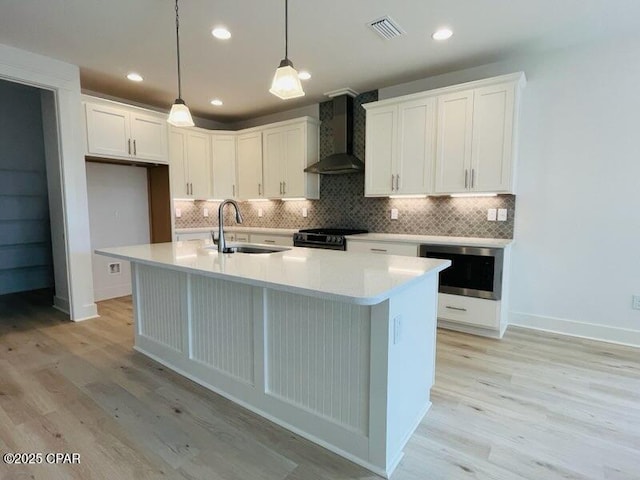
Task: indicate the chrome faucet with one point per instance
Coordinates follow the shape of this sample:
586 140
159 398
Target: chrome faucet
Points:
222 247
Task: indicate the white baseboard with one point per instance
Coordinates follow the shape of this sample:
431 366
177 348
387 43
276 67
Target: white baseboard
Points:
61 304
88 312
603 333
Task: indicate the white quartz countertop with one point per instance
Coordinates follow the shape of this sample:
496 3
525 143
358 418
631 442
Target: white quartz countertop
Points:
263 230
356 278
431 239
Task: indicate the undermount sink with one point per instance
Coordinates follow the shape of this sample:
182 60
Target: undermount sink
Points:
253 249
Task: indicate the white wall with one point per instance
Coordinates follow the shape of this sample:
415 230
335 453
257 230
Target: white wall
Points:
119 216
56 202
576 259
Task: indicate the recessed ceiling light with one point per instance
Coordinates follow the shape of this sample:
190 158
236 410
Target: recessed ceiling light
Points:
135 77
442 34
221 33
304 75
216 102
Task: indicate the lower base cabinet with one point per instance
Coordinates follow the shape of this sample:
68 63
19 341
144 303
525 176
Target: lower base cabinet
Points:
477 312
384 248
285 241
477 316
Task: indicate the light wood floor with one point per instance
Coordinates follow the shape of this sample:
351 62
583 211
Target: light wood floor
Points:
532 406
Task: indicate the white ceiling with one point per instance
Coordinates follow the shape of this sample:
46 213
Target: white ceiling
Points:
330 38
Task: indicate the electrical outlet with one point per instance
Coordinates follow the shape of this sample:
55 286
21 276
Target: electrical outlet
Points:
114 268
205 212
260 212
394 214
636 302
502 214
492 214
304 212
178 213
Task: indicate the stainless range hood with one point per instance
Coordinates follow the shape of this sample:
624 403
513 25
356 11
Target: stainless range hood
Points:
343 161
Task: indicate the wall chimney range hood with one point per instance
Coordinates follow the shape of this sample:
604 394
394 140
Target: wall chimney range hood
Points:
343 161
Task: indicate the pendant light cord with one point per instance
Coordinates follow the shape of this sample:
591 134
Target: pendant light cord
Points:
178 51
286 29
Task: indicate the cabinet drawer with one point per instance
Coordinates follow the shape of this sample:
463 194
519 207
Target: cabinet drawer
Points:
286 241
384 248
181 237
471 311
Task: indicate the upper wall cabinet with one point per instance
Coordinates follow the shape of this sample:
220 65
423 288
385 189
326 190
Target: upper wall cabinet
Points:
115 131
249 164
190 152
400 148
223 165
459 139
476 139
287 149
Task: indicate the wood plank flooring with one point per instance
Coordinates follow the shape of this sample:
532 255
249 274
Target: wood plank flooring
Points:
532 406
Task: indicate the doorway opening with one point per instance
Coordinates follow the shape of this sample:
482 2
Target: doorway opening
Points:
30 200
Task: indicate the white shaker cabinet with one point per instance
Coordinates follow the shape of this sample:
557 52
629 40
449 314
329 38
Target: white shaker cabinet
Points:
455 128
380 150
249 163
492 150
476 139
189 152
223 158
287 150
114 131
399 148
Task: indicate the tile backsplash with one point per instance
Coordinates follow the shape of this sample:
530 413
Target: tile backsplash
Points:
342 202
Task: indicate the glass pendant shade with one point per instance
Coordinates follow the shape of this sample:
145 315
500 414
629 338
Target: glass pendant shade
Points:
286 83
180 116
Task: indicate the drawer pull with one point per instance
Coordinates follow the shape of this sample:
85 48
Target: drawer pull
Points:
269 241
382 250
456 308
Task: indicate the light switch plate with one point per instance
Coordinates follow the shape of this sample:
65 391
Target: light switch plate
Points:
178 213
492 214
304 212
205 212
636 302
394 214
502 214
260 212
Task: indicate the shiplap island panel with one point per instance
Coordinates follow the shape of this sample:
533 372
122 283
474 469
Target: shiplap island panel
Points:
337 347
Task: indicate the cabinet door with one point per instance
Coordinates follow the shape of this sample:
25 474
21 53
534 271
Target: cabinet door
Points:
273 159
149 137
223 158
107 131
250 166
199 165
453 153
492 157
380 150
416 141
178 163
294 161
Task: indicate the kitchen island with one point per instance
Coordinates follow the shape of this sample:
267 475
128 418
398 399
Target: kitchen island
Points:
338 347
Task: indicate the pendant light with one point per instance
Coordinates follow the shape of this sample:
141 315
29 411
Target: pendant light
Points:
180 116
286 83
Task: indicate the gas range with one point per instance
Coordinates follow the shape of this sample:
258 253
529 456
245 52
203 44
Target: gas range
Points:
327 238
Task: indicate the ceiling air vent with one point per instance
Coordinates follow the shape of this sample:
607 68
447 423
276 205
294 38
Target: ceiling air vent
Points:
386 28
